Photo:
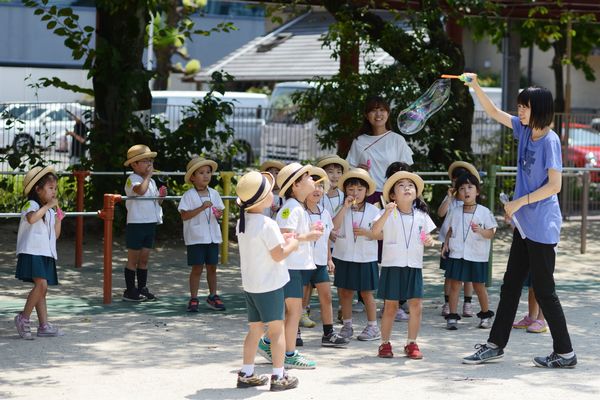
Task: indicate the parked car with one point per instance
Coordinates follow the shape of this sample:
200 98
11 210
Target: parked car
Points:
246 121
583 148
10 122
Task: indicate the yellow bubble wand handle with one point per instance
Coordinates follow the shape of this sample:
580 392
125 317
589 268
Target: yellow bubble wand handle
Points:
462 77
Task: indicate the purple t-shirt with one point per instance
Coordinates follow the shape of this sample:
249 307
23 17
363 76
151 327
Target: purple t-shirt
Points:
541 220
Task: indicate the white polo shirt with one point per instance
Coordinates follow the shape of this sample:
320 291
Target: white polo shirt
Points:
454 202
362 249
293 216
320 246
466 244
142 211
204 228
39 238
402 244
260 273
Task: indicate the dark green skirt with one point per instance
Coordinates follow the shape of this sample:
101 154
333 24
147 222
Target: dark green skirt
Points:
356 276
466 271
400 283
30 266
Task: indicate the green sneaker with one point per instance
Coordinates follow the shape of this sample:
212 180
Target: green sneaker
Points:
298 361
264 349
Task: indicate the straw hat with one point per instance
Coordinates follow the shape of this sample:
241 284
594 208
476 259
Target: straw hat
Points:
252 188
138 152
288 175
391 181
463 164
34 175
360 174
271 164
196 163
333 159
320 172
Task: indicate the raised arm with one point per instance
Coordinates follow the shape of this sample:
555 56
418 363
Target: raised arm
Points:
490 108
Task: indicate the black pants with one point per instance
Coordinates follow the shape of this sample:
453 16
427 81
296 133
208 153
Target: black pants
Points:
539 258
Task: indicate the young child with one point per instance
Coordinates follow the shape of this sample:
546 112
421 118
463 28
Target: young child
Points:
405 226
535 205
319 277
200 208
468 241
334 167
262 249
273 167
450 202
355 251
142 218
36 248
296 184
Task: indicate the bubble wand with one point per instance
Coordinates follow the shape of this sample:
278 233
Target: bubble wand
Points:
461 77
504 199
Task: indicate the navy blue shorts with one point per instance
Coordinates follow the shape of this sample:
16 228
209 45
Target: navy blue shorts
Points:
314 276
294 288
204 253
140 236
265 307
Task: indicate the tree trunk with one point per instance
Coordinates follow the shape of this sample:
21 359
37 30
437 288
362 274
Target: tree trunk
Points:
164 54
560 48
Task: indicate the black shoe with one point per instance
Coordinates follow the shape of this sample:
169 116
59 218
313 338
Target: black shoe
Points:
483 354
284 383
133 295
146 293
555 361
193 305
253 380
299 342
334 340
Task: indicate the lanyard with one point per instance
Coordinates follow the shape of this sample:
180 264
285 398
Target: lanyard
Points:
339 202
361 219
412 222
309 212
202 202
470 222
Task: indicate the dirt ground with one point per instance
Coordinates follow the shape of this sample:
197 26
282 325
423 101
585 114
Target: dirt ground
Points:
159 351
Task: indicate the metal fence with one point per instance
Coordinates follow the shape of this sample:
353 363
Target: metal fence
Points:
272 134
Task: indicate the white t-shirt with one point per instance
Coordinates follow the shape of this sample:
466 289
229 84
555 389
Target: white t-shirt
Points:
278 201
466 244
293 216
332 204
454 202
381 151
362 249
204 227
320 246
142 211
260 273
39 238
402 244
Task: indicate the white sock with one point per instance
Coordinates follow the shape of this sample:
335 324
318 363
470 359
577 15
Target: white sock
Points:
492 345
409 341
248 369
567 355
278 372
347 321
372 323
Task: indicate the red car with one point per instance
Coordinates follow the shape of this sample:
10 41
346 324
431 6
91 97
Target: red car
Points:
584 148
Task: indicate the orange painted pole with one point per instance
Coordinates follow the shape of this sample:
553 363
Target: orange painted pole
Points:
80 178
108 215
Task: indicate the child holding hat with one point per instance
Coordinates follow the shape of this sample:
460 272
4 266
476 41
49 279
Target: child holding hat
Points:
273 167
262 251
296 184
200 208
142 218
405 226
36 248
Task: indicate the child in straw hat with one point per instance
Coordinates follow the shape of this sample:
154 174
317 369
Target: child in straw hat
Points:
36 248
296 184
262 251
200 208
273 167
142 218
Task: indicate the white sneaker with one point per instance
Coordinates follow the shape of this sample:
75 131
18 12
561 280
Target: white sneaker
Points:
467 310
401 316
347 331
485 323
371 332
445 309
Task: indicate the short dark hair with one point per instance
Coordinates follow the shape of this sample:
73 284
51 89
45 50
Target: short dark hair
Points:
396 166
467 178
458 171
541 103
355 181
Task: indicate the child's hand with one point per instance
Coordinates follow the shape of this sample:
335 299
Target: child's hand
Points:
348 201
318 226
330 266
59 213
445 250
289 235
207 204
314 235
389 207
475 227
53 203
216 212
450 192
471 79
274 207
290 240
428 240
333 235
149 170
162 191
360 232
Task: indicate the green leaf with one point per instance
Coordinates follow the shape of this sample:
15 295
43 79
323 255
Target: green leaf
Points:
46 17
38 11
51 25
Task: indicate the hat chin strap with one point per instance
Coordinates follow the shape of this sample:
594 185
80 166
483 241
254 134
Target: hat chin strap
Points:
249 203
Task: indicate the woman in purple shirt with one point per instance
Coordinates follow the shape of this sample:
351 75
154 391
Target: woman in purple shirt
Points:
535 206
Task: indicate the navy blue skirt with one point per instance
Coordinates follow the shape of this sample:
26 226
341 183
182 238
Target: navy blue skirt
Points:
356 276
466 271
400 283
30 266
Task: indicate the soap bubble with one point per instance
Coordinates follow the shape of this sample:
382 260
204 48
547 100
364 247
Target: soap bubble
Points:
413 118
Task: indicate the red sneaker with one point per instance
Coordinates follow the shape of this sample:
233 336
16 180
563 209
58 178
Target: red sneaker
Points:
412 351
385 350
